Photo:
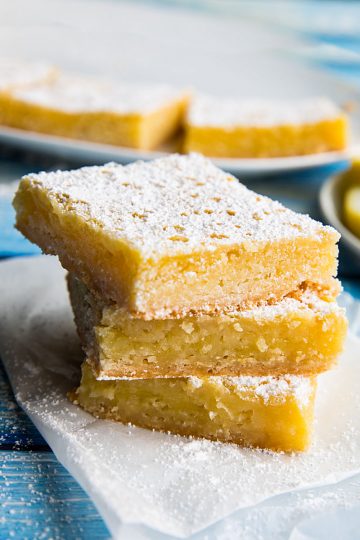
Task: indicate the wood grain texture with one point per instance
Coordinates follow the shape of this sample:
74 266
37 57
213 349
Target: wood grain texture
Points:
39 499
17 432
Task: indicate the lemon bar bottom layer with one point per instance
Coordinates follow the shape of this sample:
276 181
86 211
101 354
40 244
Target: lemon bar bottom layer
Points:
302 334
264 412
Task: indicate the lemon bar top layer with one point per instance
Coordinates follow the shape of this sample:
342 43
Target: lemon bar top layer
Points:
173 205
72 94
173 235
265 412
217 112
16 74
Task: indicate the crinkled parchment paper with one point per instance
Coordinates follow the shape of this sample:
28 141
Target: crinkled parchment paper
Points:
151 485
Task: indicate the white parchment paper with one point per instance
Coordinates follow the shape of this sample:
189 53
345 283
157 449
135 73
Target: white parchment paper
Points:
152 485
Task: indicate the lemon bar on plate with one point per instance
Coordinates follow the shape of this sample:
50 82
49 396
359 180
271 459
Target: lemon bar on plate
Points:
301 334
120 114
266 412
173 236
231 128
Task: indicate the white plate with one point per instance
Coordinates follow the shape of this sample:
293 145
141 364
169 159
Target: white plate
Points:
95 153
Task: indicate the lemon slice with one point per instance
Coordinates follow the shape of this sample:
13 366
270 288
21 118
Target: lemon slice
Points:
352 209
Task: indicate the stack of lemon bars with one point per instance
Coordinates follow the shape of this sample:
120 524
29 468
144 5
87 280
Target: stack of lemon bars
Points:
204 309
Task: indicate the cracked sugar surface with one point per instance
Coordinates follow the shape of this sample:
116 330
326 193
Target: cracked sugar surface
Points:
174 205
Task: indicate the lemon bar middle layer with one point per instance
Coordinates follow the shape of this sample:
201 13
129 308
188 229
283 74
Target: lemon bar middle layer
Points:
173 235
302 334
265 412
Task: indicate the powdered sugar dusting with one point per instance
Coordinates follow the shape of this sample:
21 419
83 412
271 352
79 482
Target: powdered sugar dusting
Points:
196 382
174 205
308 301
79 94
16 74
217 112
266 388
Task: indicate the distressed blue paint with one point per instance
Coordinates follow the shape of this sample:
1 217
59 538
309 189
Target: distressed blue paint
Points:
352 286
12 242
16 429
39 499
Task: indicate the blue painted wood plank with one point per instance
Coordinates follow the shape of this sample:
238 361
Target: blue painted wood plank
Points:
39 499
13 165
11 241
16 429
352 286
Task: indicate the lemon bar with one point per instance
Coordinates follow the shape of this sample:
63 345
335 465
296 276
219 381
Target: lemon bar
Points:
258 129
301 334
173 236
266 412
79 108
